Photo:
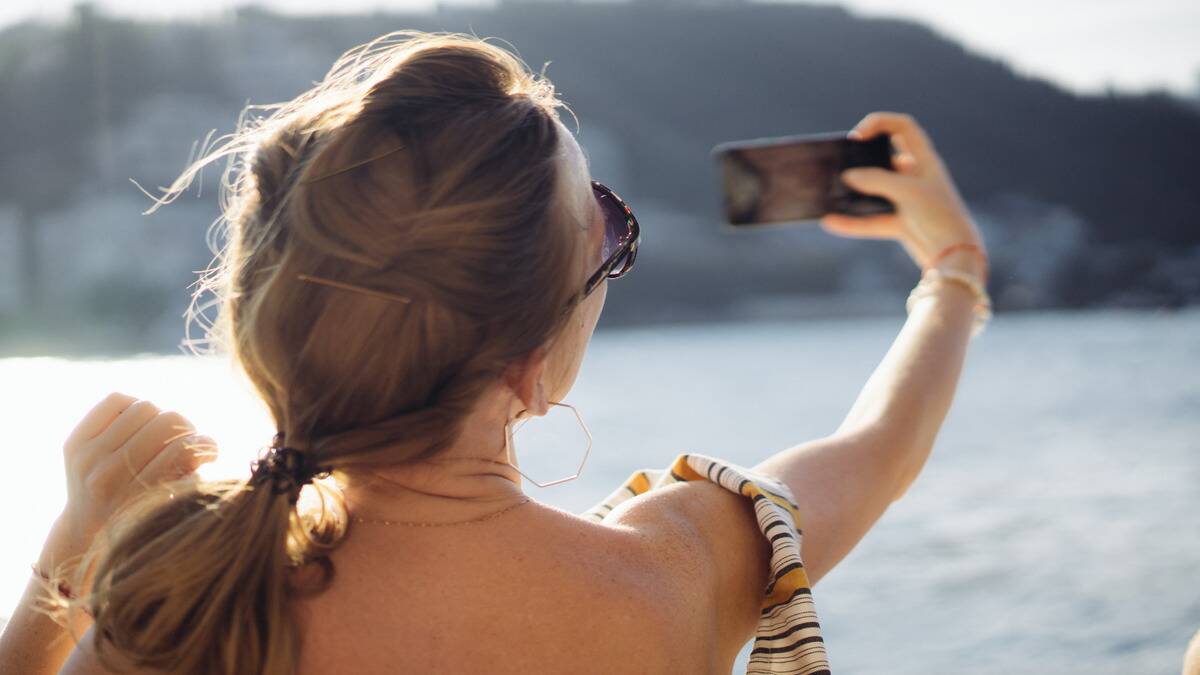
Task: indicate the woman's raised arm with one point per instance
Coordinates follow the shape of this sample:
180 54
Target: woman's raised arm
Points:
843 483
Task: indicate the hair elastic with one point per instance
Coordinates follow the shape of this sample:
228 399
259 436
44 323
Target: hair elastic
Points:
287 469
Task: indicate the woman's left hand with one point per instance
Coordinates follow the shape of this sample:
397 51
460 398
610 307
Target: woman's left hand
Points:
121 448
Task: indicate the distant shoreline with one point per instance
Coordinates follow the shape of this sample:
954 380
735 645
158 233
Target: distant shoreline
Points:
105 345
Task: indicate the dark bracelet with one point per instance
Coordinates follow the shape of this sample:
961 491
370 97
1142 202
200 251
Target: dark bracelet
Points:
63 589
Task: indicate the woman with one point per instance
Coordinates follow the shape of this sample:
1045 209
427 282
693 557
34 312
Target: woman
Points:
417 257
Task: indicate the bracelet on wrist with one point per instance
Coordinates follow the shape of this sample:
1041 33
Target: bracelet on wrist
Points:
63 589
966 246
932 277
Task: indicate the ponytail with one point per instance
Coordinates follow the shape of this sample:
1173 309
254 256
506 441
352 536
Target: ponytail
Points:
199 581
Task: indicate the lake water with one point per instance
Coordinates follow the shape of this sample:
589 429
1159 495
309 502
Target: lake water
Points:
1056 527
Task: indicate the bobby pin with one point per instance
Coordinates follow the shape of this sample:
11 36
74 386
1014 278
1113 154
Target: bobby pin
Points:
352 166
351 287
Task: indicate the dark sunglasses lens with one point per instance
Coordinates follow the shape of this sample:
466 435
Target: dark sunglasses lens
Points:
616 224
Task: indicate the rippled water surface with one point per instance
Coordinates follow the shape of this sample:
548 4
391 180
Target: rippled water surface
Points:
1056 527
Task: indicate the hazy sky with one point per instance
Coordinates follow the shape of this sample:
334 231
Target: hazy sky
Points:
1084 45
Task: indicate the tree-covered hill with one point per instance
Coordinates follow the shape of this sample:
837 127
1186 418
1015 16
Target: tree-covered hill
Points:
1083 199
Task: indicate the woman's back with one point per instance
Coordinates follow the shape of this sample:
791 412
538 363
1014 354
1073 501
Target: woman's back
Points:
535 590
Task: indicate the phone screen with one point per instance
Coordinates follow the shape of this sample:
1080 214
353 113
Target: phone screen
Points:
796 178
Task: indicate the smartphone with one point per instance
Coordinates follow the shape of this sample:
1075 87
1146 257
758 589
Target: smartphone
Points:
787 179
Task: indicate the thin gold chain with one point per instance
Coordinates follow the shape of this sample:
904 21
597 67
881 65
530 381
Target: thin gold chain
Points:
407 523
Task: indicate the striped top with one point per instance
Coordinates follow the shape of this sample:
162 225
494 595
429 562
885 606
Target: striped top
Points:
788 636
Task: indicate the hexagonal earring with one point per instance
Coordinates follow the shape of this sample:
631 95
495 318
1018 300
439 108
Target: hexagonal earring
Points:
508 450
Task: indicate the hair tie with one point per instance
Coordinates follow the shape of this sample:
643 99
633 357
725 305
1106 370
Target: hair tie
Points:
287 469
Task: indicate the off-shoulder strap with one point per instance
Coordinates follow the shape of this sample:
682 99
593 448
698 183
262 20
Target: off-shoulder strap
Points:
788 637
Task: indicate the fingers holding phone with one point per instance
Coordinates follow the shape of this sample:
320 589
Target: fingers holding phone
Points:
897 188
913 148
930 213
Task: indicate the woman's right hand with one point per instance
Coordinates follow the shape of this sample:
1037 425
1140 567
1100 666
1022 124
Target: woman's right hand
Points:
930 215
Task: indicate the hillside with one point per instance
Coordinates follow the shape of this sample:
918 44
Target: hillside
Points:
1084 200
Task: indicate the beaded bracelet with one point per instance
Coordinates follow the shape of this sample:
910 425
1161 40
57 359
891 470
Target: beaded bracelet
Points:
968 246
931 276
982 309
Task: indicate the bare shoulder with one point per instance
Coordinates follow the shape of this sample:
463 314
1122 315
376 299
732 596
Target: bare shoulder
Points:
1191 660
84 661
708 537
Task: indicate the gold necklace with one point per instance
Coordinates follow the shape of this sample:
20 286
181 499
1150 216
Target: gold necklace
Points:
407 523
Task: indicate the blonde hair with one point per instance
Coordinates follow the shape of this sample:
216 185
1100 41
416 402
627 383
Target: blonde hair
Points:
423 164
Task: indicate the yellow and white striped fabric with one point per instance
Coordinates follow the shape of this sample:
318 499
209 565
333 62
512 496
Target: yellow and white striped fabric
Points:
788 637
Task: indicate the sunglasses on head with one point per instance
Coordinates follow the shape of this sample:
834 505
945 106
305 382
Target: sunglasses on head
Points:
621 238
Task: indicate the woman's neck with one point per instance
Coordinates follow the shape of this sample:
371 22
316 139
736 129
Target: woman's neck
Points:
468 478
